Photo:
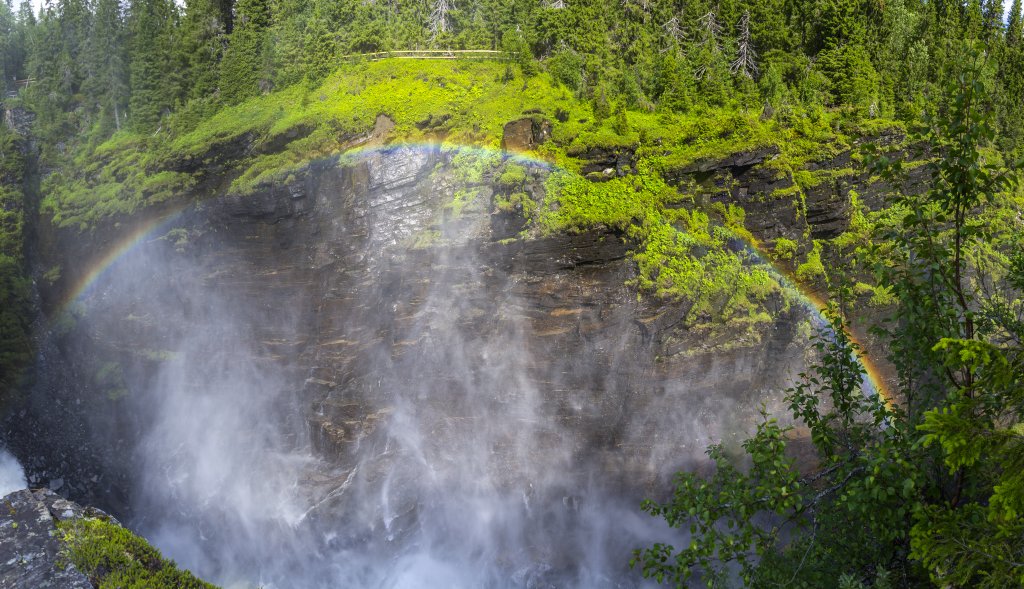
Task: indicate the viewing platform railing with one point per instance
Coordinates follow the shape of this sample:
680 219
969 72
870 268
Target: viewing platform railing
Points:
429 54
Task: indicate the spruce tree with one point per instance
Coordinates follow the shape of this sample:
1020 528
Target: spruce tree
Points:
243 66
1013 24
745 63
201 45
9 47
106 73
154 73
319 49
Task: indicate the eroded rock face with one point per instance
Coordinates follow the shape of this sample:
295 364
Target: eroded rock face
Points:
350 366
30 546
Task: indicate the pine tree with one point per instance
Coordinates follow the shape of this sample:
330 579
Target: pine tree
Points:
992 11
319 48
243 66
288 54
10 60
712 68
106 74
73 22
201 45
155 75
1013 25
710 43
44 96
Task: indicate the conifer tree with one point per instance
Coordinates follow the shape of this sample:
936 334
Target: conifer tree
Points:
243 66
72 20
10 60
106 73
320 50
201 45
1013 24
438 23
155 74
287 35
711 67
44 96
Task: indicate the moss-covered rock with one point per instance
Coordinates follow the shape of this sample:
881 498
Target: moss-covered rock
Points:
48 541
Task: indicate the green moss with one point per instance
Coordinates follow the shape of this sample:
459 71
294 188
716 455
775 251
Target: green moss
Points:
784 249
156 355
681 254
465 102
806 179
109 377
53 274
877 296
513 176
786 193
515 202
114 558
460 200
426 239
162 186
812 269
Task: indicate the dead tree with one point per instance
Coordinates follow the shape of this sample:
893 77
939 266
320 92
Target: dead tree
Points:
438 23
711 31
710 42
745 63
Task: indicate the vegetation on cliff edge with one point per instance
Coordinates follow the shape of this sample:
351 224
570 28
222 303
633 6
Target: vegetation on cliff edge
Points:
115 558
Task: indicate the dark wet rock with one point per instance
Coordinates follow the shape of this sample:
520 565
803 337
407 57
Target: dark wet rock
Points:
433 123
525 134
736 162
605 163
775 207
17 119
366 290
353 256
30 546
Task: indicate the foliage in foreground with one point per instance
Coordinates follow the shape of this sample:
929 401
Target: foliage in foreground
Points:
115 558
927 489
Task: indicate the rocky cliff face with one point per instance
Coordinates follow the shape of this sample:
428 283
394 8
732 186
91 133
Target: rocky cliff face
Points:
31 552
362 361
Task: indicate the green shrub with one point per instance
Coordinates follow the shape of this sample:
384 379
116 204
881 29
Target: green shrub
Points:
114 558
784 249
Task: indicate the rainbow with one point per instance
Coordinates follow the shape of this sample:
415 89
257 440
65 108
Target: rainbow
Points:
144 233
874 381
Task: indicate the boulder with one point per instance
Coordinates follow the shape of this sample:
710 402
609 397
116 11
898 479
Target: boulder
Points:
525 134
30 546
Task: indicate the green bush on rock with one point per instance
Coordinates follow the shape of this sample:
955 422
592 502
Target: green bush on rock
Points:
115 558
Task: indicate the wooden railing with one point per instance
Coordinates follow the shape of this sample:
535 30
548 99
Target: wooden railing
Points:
429 54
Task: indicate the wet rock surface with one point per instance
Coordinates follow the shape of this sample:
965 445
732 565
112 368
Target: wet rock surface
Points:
416 364
525 134
30 548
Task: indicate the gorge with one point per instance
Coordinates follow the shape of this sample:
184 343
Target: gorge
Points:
343 381
515 295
